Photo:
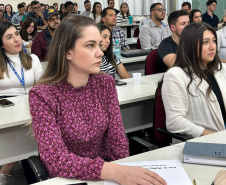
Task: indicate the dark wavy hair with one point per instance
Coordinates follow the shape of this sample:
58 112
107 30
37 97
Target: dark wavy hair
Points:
60 11
192 13
189 53
11 12
23 31
94 9
109 52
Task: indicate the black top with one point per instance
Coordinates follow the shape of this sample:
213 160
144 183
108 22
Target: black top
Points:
167 46
212 21
116 11
218 94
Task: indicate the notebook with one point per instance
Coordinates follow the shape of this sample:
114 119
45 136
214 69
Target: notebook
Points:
205 153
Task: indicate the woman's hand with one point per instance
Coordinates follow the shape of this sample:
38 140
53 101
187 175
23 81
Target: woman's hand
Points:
130 175
220 179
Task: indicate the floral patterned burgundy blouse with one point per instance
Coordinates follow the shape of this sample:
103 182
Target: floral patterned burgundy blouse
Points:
77 129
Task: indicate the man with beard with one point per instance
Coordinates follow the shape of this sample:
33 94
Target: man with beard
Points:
155 31
87 5
42 40
37 15
177 21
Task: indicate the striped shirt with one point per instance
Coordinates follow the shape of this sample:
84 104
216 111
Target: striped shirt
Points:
107 67
120 18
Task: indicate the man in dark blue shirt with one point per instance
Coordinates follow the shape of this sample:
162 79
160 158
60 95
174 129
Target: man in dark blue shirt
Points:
37 15
209 17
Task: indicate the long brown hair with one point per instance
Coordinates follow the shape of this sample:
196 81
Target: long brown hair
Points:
109 52
26 59
64 39
189 53
26 24
127 13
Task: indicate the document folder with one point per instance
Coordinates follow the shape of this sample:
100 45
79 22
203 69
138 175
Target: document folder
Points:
205 153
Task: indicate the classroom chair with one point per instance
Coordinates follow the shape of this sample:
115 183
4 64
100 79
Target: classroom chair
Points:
136 32
38 168
151 63
158 135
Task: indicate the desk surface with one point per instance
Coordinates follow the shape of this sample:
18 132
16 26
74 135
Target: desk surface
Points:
127 60
203 174
127 24
19 114
132 40
132 93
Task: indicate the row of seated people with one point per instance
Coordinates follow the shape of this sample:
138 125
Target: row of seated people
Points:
189 67
40 42
156 34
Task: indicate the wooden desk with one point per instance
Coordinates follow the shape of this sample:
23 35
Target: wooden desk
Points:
135 103
128 27
203 174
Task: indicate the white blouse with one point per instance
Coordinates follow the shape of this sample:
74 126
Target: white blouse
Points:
11 86
98 18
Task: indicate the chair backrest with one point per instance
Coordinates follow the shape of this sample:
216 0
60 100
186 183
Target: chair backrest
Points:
151 63
136 32
159 121
138 44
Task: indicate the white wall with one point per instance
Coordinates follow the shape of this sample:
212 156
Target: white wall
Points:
14 3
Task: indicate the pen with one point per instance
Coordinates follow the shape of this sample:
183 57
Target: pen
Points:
194 182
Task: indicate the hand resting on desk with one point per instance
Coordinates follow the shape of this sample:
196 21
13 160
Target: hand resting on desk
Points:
128 175
220 179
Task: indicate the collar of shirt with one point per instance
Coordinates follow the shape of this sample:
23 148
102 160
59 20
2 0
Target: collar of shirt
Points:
153 24
207 15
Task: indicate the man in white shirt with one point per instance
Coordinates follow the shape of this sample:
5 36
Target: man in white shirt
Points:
155 31
87 5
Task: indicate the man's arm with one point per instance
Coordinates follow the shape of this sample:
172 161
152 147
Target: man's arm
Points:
170 59
43 20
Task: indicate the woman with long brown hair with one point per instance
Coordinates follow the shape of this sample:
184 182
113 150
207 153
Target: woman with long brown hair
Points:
194 89
75 112
28 31
18 72
110 63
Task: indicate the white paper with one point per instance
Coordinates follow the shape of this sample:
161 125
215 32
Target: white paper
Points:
170 170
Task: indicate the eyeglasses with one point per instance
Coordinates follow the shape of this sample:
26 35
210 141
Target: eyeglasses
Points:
160 9
36 8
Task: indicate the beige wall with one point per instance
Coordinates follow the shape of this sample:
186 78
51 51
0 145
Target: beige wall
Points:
14 3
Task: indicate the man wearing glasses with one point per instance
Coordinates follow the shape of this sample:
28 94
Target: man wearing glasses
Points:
155 31
42 40
111 3
37 15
